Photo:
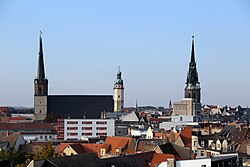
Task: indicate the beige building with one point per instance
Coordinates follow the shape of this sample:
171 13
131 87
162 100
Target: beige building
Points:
118 93
187 106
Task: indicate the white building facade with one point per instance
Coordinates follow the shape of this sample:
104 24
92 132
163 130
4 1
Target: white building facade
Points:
80 129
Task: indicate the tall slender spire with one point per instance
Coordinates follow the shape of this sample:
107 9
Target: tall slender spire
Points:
192 88
192 51
192 76
40 70
136 105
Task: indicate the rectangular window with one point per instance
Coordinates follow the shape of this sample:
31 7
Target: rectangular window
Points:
101 134
101 122
72 128
101 128
86 134
72 122
72 134
195 143
86 122
86 128
41 137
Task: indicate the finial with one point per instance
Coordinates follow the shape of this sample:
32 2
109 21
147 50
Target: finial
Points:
193 36
40 33
119 68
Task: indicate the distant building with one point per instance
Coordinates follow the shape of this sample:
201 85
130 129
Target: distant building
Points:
191 104
118 93
73 106
31 131
81 129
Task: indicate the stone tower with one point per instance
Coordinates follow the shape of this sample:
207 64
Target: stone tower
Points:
118 93
40 87
192 87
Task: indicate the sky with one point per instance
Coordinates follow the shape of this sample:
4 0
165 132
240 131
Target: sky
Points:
85 42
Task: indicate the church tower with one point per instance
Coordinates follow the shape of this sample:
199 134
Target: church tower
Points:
192 88
40 87
118 93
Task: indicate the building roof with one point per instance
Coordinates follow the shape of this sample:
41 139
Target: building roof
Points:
168 148
80 160
131 117
159 158
116 142
186 136
135 160
80 106
24 127
11 138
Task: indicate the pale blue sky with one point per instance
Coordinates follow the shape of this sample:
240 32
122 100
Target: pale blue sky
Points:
85 42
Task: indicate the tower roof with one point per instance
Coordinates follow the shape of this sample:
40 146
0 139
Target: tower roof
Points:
40 69
192 76
119 80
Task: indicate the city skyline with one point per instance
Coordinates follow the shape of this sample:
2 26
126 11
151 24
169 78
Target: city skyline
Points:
85 42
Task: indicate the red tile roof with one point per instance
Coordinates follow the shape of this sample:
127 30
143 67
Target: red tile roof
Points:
159 158
186 135
118 142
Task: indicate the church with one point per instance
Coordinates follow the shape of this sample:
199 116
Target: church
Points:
72 106
190 105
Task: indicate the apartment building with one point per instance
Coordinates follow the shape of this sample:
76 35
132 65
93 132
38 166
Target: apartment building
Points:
80 129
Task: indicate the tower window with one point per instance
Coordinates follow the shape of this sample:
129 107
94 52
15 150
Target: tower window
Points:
40 90
119 96
40 111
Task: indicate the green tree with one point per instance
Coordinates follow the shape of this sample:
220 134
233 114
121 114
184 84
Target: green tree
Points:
47 151
16 157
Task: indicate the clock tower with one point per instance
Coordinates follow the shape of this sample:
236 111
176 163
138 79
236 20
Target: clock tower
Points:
118 93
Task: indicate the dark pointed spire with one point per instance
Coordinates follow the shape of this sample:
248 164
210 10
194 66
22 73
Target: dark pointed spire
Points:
192 76
136 105
192 51
40 70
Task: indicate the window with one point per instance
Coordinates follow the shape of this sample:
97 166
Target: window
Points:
101 122
40 111
86 134
50 137
203 165
41 137
86 122
46 137
72 122
195 143
72 128
72 134
202 143
202 153
181 118
101 134
86 128
101 128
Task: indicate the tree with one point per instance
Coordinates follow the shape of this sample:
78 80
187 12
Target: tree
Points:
47 151
16 157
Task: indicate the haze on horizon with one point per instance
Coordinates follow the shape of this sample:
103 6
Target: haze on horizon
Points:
85 42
